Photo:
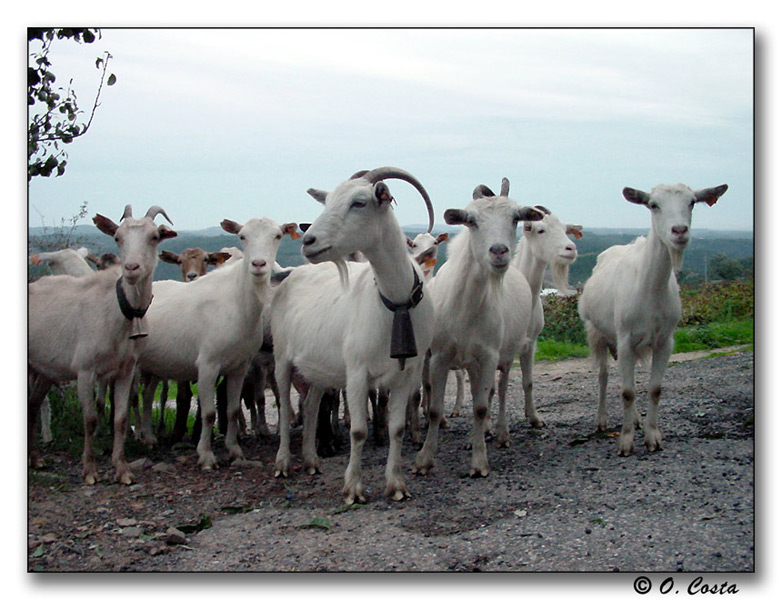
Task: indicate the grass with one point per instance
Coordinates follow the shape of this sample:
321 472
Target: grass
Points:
553 350
714 335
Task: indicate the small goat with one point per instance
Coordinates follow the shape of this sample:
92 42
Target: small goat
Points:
63 345
482 309
213 325
335 326
194 261
630 305
543 243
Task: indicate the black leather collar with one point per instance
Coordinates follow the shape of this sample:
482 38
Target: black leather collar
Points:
128 311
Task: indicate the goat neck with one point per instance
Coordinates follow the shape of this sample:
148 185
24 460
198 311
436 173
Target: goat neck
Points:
530 266
657 265
391 264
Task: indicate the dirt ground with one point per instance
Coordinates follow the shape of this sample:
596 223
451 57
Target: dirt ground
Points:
558 500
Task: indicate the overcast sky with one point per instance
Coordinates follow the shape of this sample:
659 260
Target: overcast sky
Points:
238 123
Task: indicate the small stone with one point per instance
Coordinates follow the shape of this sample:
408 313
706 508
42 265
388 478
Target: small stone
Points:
163 467
174 536
127 522
141 463
133 532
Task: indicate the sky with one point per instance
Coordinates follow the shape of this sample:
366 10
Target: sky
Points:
215 123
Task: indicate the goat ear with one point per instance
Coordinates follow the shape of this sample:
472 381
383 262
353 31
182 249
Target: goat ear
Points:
105 224
482 191
319 195
218 258
230 226
291 229
166 232
710 195
428 258
457 216
443 237
575 231
635 196
410 243
527 213
170 257
382 193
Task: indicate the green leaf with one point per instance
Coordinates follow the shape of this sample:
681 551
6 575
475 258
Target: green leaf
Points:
112 79
39 551
318 523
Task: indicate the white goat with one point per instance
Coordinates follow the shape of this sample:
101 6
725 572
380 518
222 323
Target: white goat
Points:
543 243
61 262
482 309
213 325
65 262
335 326
630 305
91 327
193 263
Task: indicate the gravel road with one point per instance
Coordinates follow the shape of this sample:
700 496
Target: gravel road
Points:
558 500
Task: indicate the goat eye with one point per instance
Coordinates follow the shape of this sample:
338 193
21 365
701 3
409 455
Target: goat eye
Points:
358 204
541 231
278 236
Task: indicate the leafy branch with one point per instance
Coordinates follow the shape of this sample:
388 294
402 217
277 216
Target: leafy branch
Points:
54 112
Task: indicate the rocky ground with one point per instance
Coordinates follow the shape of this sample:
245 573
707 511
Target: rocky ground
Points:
558 500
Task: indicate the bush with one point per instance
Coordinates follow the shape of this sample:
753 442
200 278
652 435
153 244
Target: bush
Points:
562 321
716 302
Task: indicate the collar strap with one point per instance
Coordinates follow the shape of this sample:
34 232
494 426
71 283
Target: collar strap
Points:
402 334
128 311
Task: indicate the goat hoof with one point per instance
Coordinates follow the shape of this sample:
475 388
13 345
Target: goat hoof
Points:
125 478
400 495
479 472
90 478
503 443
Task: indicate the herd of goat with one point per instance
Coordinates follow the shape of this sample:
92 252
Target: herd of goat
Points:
376 323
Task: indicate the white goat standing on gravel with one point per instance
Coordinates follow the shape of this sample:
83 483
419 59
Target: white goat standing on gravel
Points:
543 243
93 327
630 305
482 309
334 325
213 325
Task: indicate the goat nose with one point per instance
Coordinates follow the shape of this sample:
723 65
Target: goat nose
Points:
192 276
680 229
308 240
499 249
132 266
259 263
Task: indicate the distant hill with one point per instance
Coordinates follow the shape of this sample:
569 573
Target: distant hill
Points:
704 245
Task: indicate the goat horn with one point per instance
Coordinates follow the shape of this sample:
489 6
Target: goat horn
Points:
359 174
543 209
382 173
128 212
155 211
505 187
482 191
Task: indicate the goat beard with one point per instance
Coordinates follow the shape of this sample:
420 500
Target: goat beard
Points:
560 273
344 273
677 257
